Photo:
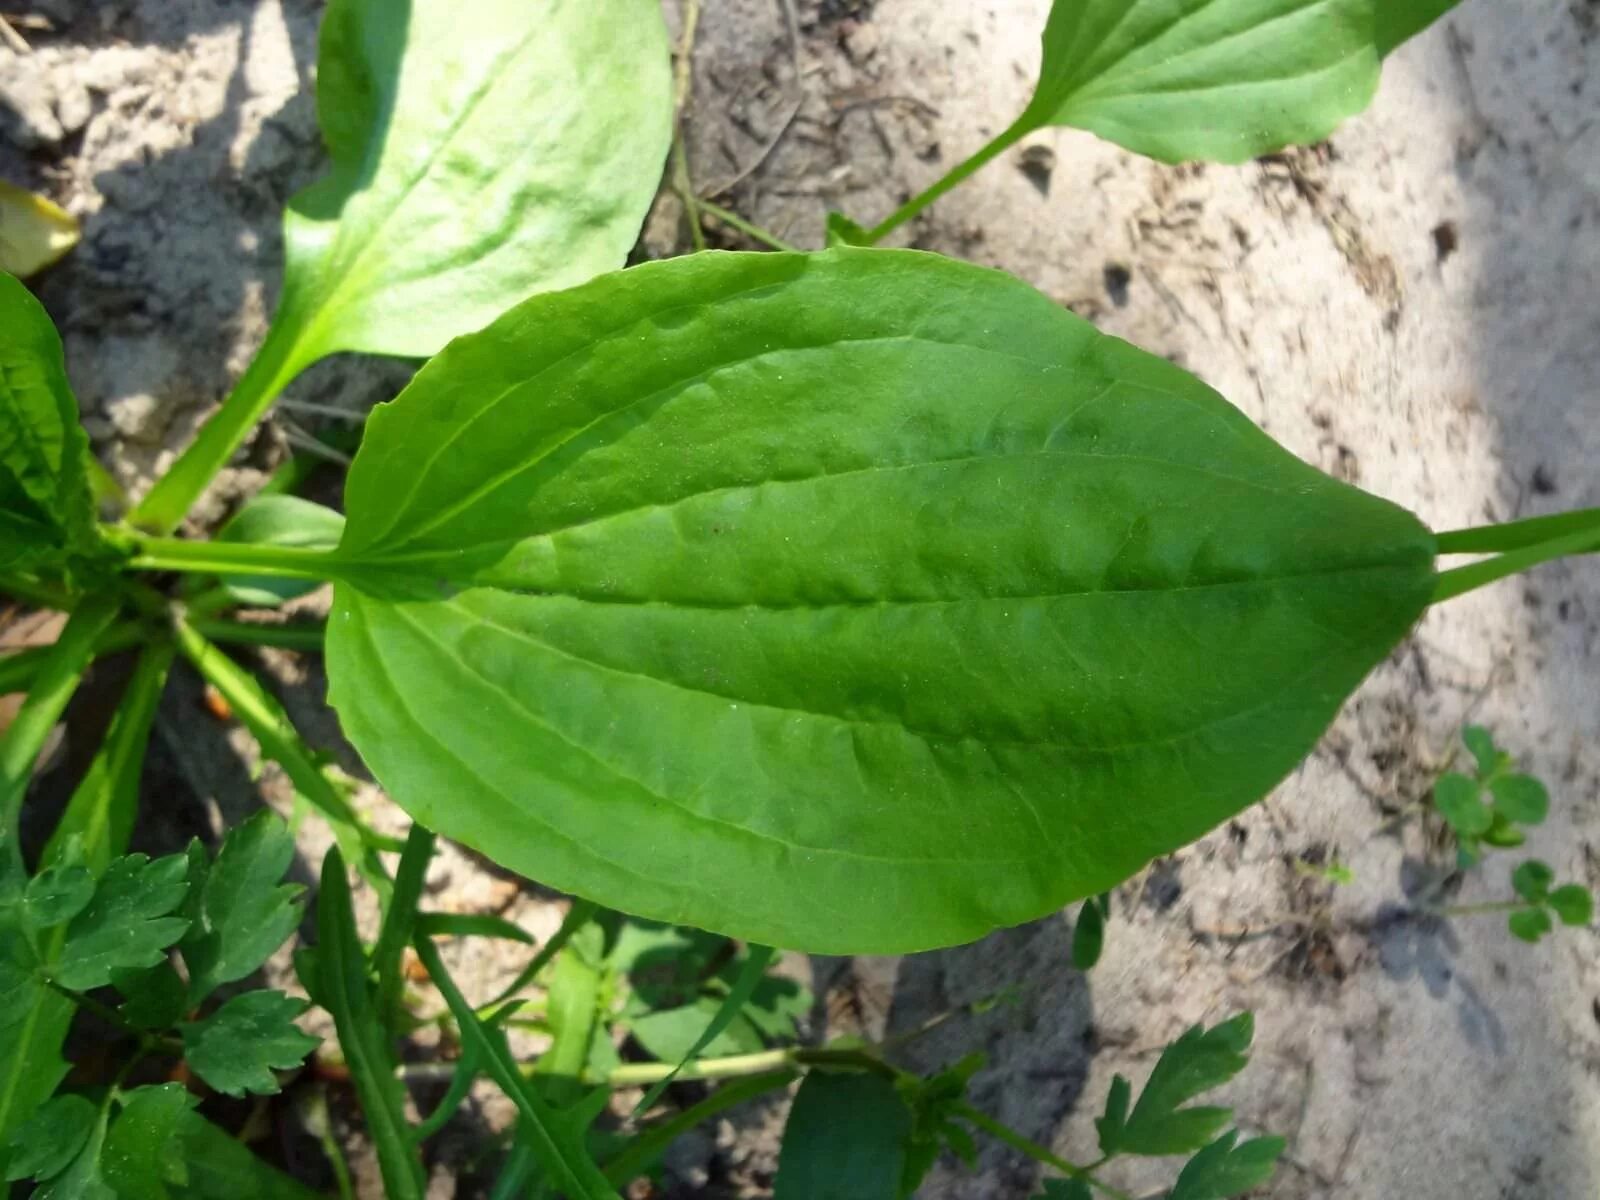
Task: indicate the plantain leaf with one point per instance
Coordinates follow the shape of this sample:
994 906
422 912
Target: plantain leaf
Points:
857 602
45 508
1225 80
845 1140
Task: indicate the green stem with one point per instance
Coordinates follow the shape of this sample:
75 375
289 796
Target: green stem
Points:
30 591
306 635
1035 1151
19 670
579 915
733 1066
278 361
1450 584
400 919
728 217
1518 535
957 174
53 687
220 558
639 1154
1474 910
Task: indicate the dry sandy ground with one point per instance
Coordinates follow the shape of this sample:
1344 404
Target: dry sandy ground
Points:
1412 306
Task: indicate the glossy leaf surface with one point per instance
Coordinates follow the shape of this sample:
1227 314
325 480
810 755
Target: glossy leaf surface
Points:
856 602
1225 80
45 509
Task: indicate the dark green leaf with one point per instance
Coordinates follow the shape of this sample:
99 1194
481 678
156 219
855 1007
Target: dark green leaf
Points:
1088 936
1573 904
33 1024
1520 798
45 508
156 996
1532 880
44 1145
126 926
342 988
845 1140
278 521
1225 80
1224 1169
1480 744
1065 1189
57 894
140 1160
912 656
1401 20
1198 1061
472 925
220 1167
237 1048
1530 924
1459 803
246 911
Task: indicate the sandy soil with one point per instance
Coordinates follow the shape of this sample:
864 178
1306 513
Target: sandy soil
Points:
1410 306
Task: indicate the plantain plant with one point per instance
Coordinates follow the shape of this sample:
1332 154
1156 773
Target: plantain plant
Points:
859 601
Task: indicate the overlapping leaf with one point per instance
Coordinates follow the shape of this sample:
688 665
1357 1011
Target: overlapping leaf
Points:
855 602
128 924
237 1048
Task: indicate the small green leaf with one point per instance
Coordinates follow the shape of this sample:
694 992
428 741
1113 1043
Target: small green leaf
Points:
1198 1061
277 520
1530 924
139 1159
1573 903
1459 803
1480 744
1503 834
1532 880
669 1034
237 1048
842 231
126 925
845 1140
1520 798
56 895
1224 1169
1088 936
246 911
155 997
45 1144
1224 80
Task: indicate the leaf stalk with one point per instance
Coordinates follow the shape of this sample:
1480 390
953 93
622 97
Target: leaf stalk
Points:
956 175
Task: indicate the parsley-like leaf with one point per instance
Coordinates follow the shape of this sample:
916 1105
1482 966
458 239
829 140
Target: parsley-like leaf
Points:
244 910
126 925
1199 1060
46 1143
237 1048
56 895
138 1159
1225 1169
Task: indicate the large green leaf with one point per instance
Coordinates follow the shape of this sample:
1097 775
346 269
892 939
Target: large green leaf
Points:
1225 80
845 1140
45 507
856 602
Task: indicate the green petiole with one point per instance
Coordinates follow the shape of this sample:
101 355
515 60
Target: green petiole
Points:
1460 580
951 179
220 558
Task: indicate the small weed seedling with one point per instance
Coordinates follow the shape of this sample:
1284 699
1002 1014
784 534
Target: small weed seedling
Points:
847 601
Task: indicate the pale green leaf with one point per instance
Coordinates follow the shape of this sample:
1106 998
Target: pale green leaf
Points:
845 1140
856 602
237 1048
476 158
245 910
1480 744
1225 80
276 520
127 925
1458 800
669 1034
1520 798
